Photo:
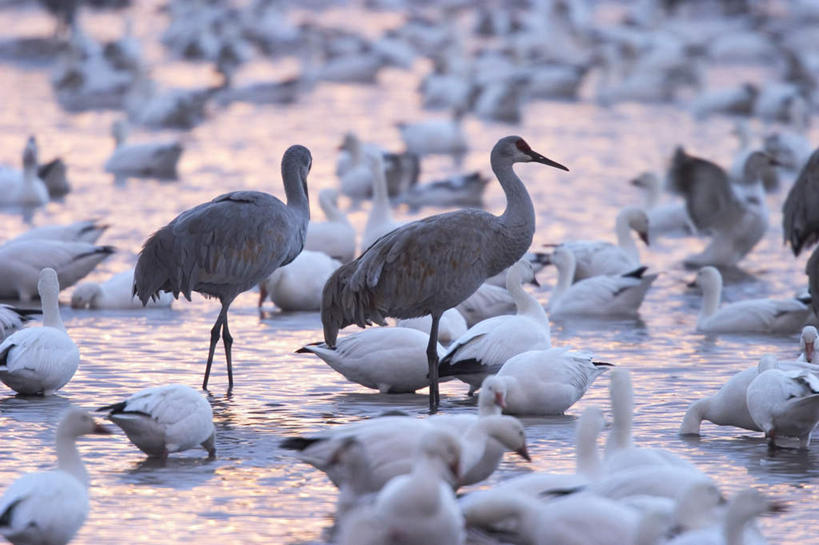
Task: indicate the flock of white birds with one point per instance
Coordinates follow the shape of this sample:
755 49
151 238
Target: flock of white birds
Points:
397 475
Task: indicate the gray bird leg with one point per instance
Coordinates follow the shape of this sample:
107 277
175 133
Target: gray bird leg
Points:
214 337
432 358
228 340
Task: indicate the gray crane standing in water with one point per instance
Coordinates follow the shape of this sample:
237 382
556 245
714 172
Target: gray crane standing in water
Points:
227 246
431 265
800 221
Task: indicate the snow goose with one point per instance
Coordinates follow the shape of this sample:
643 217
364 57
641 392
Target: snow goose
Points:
413 509
750 316
336 236
148 160
49 507
25 189
670 218
79 231
533 263
387 359
577 518
166 419
297 285
21 263
172 108
451 326
790 149
728 407
116 293
484 348
621 453
547 382
594 258
400 169
40 360
13 318
784 403
379 220
444 136
807 341
605 295
487 301
736 214
743 508
464 190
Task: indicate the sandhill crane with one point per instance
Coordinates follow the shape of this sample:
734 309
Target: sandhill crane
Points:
432 264
227 246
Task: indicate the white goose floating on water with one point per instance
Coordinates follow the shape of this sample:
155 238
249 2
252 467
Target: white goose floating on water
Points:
604 295
750 316
49 507
451 326
387 359
116 293
595 258
26 188
335 237
487 345
79 231
149 159
40 360
663 218
166 419
488 300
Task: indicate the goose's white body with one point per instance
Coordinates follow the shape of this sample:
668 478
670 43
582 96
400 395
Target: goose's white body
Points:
547 382
40 360
12 319
23 188
387 359
79 231
149 159
444 136
116 293
727 407
21 263
487 345
298 285
785 403
594 257
751 316
335 237
605 295
166 419
451 326
487 301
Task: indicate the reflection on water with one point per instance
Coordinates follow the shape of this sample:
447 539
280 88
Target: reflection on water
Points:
257 493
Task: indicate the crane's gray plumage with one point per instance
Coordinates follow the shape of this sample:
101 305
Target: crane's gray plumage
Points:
432 264
800 213
227 246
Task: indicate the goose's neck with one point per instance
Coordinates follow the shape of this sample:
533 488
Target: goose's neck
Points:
587 457
68 457
652 193
331 211
381 200
711 294
565 274
526 304
624 238
518 218
29 174
733 528
694 416
50 302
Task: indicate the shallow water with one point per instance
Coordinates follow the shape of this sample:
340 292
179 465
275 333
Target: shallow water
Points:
257 493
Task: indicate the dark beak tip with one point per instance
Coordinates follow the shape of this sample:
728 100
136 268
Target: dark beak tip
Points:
99 429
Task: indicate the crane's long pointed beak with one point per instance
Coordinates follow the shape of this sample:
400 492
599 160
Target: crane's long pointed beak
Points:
538 158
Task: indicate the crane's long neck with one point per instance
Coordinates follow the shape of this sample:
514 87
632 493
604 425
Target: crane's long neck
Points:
518 219
294 176
711 294
624 238
68 457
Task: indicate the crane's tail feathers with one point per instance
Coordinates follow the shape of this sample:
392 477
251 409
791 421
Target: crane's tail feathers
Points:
159 268
341 305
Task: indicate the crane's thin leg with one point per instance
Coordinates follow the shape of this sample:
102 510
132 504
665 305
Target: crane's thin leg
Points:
228 340
214 337
432 359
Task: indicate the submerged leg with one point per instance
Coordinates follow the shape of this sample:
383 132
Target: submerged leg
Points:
432 359
228 340
214 337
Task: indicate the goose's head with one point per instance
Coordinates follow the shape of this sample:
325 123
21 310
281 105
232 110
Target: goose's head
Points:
563 259
77 422
696 504
708 278
750 503
492 397
637 220
47 283
514 149
444 448
30 154
647 181
768 361
119 130
756 165
84 294
808 342
509 432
